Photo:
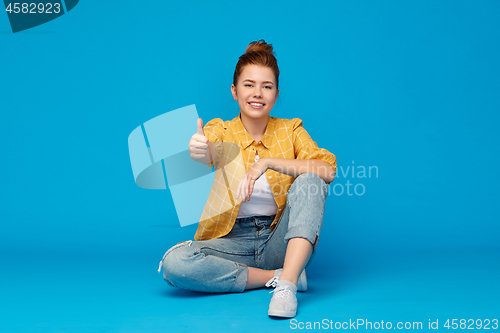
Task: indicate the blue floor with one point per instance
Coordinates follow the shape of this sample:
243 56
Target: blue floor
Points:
79 292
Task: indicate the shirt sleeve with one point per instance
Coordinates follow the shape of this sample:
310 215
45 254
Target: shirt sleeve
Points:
306 149
214 131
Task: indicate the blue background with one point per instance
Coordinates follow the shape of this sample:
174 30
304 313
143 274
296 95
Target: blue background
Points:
409 87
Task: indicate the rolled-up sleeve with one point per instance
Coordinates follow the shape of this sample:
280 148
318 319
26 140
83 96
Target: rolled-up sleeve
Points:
214 131
305 148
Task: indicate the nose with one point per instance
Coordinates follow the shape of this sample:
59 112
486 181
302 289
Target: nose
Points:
257 92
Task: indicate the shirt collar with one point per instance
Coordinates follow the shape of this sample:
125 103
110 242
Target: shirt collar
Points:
246 139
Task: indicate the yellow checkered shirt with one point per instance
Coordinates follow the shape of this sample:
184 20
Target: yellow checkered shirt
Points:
236 149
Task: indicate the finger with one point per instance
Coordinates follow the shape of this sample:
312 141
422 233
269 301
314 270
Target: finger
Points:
238 190
198 152
200 127
197 155
195 150
251 185
243 191
198 145
248 189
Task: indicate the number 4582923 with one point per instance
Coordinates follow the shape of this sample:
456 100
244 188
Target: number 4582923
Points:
33 8
471 324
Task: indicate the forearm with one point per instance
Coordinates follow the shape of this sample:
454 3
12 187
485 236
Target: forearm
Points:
295 168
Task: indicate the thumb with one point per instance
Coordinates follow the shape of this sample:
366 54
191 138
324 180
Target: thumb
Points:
200 127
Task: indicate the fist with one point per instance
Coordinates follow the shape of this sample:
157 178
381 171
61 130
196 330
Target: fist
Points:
199 145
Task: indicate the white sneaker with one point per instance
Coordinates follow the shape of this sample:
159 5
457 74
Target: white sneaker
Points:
284 301
301 281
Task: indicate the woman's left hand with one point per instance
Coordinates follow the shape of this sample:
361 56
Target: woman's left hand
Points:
245 187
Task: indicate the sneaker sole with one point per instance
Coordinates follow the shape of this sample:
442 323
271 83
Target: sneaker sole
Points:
283 314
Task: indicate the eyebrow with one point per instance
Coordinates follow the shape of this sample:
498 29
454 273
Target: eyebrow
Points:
254 81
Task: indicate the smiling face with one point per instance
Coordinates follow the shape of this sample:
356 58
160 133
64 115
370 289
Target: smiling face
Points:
255 92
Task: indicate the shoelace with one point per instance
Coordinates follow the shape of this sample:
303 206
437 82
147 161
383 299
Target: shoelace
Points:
280 292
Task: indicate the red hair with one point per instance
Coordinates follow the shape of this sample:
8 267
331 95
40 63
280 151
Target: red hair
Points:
258 53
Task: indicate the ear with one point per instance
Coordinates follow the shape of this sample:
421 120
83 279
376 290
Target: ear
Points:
233 91
277 93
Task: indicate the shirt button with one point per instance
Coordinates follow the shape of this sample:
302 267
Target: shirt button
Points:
260 141
270 177
275 193
279 210
260 149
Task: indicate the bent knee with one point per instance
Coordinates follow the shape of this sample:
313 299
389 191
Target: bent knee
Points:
178 262
310 177
309 184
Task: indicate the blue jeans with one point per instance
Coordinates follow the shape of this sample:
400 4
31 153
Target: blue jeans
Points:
221 264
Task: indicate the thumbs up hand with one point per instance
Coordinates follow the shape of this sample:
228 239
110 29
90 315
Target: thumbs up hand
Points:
199 146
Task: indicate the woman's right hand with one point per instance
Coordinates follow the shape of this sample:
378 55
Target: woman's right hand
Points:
199 145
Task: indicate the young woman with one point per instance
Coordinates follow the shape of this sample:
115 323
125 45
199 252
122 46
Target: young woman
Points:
269 233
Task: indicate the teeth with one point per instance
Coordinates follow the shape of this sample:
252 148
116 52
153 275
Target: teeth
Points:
256 104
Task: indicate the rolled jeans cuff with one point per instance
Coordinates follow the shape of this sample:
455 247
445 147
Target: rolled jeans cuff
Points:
302 232
241 278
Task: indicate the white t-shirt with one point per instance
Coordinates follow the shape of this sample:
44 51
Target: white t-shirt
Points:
261 202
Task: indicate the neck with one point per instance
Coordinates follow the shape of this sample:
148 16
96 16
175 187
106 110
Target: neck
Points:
255 127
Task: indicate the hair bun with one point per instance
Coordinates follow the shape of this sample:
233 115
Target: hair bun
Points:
257 53
260 45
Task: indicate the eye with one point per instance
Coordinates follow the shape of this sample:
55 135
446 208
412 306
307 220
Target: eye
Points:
269 87
248 85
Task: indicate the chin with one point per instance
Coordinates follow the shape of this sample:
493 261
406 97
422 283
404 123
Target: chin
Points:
256 114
